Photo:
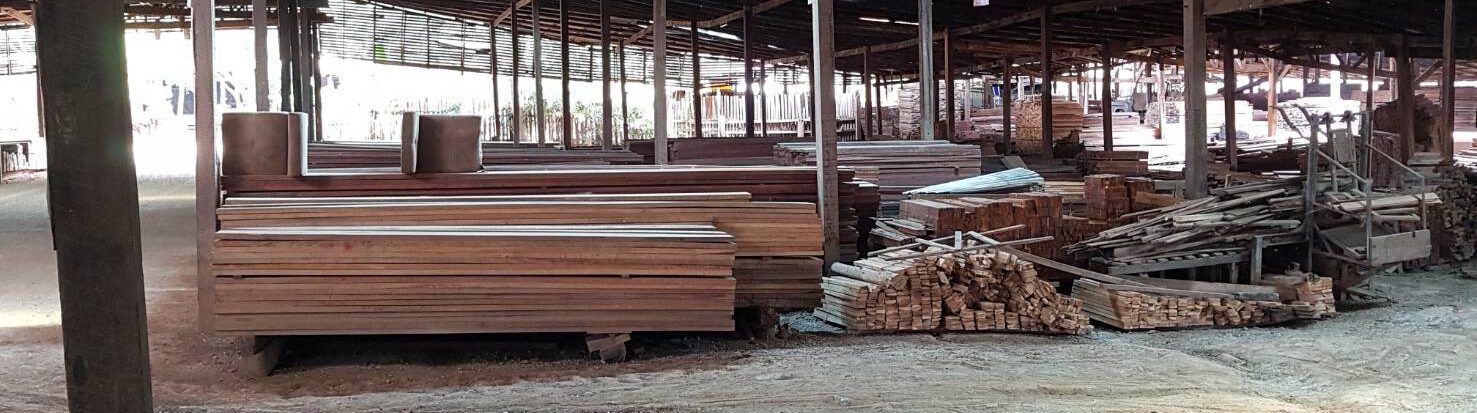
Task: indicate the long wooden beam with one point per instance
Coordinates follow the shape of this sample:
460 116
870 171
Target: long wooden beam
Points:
1218 7
710 23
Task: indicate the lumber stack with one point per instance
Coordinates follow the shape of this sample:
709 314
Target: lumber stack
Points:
777 242
1310 297
714 150
1126 309
1127 163
495 279
1458 214
901 165
1107 197
769 183
1008 217
976 291
373 155
1066 122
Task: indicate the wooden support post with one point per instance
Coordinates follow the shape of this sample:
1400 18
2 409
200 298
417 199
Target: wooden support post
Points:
928 98
1047 78
697 83
949 93
659 79
763 103
1107 97
1447 141
541 122
1273 76
1406 105
93 197
1372 76
877 112
1257 245
865 121
497 106
1007 89
566 116
285 52
625 107
259 51
305 67
1195 116
517 69
607 125
1228 94
824 65
748 71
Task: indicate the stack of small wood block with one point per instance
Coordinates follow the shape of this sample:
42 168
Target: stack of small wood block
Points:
960 291
1039 213
778 242
1107 197
1310 296
1128 163
439 280
1131 308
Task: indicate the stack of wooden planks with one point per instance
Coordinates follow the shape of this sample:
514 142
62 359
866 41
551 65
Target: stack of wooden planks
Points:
1127 163
1007 217
715 151
1310 296
1135 308
1066 122
1107 197
472 279
778 243
901 165
770 183
975 291
1458 214
372 155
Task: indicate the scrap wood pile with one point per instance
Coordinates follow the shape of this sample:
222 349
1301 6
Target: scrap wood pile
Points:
371 155
1233 215
901 165
1458 213
778 243
439 280
857 202
953 290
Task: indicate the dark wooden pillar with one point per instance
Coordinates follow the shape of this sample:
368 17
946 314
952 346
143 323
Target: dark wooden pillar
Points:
659 79
567 133
928 97
949 104
93 196
1047 78
1195 117
697 83
763 103
517 129
607 125
625 108
497 106
865 121
1228 65
823 64
541 121
259 51
1107 96
1447 141
748 71
1007 88
1406 105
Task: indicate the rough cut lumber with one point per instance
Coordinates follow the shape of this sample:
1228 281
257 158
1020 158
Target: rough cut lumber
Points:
975 291
1133 310
434 280
375 155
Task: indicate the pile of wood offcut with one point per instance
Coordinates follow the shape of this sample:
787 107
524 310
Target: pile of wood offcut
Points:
1066 121
940 290
495 279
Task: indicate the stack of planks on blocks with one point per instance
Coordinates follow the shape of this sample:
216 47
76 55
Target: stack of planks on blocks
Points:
492 279
1066 122
1128 163
778 242
1132 308
372 155
901 165
905 290
769 184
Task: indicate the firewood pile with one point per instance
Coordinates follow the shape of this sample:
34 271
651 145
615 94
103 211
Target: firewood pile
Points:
974 291
1234 215
1459 213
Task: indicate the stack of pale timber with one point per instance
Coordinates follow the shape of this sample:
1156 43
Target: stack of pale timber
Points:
1066 122
1107 197
771 183
974 291
1127 163
778 242
1458 214
1466 105
1135 308
438 280
901 165
371 155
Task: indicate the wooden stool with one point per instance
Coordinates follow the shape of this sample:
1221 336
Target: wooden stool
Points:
440 143
264 143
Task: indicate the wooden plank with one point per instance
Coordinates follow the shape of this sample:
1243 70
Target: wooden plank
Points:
1402 247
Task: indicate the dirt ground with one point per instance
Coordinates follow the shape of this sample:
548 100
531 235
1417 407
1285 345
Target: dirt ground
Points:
1416 355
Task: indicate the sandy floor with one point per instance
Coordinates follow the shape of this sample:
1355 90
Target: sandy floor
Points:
1416 355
